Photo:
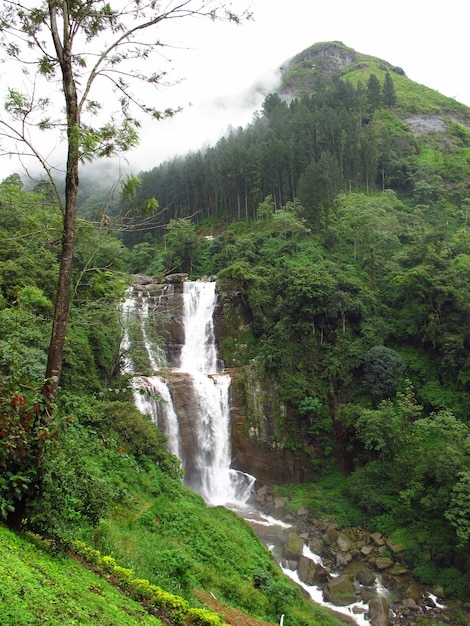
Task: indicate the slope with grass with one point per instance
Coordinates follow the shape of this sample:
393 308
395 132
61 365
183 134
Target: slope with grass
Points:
38 587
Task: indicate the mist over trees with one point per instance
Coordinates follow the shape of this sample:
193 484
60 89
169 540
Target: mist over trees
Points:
341 138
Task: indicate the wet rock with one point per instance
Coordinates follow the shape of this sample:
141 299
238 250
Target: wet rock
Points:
428 601
340 591
311 573
358 610
279 508
366 577
316 545
379 612
383 562
292 549
176 278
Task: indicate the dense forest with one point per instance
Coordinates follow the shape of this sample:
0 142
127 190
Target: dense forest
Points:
340 219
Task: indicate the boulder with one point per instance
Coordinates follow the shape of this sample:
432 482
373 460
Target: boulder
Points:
409 603
279 508
316 545
377 539
176 278
379 612
339 591
413 592
395 548
293 547
366 577
383 562
331 535
311 573
344 543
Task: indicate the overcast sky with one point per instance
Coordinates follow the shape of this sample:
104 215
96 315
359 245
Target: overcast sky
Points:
229 68
225 70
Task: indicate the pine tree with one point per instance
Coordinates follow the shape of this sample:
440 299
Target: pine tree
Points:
373 92
388 91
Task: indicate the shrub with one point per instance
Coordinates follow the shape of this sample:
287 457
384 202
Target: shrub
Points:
203 617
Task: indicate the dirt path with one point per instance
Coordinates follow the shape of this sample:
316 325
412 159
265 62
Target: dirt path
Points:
231 616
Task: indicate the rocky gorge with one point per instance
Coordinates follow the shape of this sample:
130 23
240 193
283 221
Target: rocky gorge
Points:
351 567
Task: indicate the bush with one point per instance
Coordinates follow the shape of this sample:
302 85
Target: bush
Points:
383 370
139 435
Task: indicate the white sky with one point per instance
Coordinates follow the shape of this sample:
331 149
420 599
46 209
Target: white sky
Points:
430 41
220 65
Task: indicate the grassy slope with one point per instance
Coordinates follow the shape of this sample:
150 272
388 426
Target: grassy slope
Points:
38 587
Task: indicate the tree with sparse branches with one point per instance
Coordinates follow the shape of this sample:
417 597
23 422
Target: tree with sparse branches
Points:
67 47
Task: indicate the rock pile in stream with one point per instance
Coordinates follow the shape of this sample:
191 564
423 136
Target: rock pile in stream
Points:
353 564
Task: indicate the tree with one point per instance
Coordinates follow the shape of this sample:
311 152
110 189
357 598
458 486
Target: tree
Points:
181 243
373 92
75 44
383 371
388 91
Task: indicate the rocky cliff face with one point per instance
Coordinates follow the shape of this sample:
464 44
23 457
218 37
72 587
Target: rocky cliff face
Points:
259 420
301 73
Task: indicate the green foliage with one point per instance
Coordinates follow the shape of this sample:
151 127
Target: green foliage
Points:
383 371
181 245
459 508
138 434
324 284
389 93
153 597
26 425
38 585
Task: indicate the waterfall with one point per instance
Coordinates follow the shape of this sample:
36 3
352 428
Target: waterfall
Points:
191 401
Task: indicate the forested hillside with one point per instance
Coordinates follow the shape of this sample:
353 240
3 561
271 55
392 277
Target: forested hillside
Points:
339 222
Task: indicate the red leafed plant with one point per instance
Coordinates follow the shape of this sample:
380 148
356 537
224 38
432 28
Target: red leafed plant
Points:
25 425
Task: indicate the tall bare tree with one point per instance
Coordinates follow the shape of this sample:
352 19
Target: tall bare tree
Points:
74 44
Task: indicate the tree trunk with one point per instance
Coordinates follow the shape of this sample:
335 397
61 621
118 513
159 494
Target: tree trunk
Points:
63 295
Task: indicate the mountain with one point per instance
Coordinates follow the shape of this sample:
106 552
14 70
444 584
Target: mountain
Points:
302 74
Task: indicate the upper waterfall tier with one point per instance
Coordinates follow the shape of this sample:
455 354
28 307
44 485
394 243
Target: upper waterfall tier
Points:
199 353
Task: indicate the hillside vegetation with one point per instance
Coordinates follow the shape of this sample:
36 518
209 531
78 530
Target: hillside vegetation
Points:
344 234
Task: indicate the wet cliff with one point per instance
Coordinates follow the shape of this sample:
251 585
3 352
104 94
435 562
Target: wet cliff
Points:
260 421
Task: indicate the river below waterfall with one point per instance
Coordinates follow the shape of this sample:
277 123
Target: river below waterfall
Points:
184 389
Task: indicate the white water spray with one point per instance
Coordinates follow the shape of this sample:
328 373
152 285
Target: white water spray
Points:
218 483
208 472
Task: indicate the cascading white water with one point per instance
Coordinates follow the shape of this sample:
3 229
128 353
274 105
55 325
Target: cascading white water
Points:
151 394
207 466
157 402
218 483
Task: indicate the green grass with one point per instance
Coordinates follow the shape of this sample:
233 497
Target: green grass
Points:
38 587
321 498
